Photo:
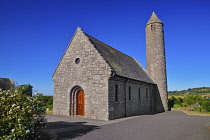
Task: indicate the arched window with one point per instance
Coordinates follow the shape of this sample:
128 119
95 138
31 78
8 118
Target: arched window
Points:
129 91
116 92
139 93
146 93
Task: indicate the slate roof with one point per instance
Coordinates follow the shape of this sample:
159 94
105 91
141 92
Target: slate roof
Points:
6 83
122 64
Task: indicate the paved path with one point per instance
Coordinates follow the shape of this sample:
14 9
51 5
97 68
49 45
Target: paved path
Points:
164 126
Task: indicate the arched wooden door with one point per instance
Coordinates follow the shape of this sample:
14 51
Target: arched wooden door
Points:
80 103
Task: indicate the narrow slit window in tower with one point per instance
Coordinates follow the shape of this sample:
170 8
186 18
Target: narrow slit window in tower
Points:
151 27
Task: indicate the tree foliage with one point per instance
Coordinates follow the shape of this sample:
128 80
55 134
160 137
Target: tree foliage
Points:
21 116
26 89
206 105
48 101
191 100
191 91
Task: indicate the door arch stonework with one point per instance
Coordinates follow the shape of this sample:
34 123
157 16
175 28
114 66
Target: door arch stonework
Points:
77 104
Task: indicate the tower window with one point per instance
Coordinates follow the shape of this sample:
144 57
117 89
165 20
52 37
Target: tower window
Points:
139 93
116 92
129 91
151 27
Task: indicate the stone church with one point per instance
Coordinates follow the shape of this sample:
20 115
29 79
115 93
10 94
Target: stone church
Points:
96 81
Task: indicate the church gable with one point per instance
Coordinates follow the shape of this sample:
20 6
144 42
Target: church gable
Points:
82 68
79 51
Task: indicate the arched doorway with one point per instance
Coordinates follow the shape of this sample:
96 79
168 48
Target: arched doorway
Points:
80 103
77 101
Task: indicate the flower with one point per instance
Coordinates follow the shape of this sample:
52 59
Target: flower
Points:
27 131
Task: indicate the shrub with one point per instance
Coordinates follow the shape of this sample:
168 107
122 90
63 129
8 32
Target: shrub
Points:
48 101
198 108
21 116
26 89
177 106
206 105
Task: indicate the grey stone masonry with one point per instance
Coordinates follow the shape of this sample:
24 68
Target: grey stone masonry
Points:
81 67
133 97
155 56
96 81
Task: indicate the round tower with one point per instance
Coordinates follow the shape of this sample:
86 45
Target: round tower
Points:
155 56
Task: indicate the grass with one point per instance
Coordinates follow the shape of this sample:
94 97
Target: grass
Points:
177 96
49 112
197 113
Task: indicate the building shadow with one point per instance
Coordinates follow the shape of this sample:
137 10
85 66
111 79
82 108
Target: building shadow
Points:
63 130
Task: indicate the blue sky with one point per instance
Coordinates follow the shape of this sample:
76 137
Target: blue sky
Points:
35 33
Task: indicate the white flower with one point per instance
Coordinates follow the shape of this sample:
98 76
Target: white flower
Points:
18 106
10 111
27 131
13 130
13 105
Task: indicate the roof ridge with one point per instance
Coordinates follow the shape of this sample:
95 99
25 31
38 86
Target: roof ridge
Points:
108 45
143 69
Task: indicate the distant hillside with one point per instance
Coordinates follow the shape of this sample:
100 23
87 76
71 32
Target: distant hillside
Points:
191 91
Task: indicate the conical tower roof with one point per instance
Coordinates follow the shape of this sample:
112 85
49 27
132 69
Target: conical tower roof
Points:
154 19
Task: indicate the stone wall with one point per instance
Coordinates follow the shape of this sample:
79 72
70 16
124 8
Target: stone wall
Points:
91 74
136 105
156 62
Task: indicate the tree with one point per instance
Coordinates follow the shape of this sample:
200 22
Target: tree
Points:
26 89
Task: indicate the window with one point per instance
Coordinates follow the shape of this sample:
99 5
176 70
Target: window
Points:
146 93
139 93
151 27
129 95
116 92
77 61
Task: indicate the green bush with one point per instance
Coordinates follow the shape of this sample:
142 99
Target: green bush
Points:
50 107
26 89
206 105
48 101
21 116
198 108
177 106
